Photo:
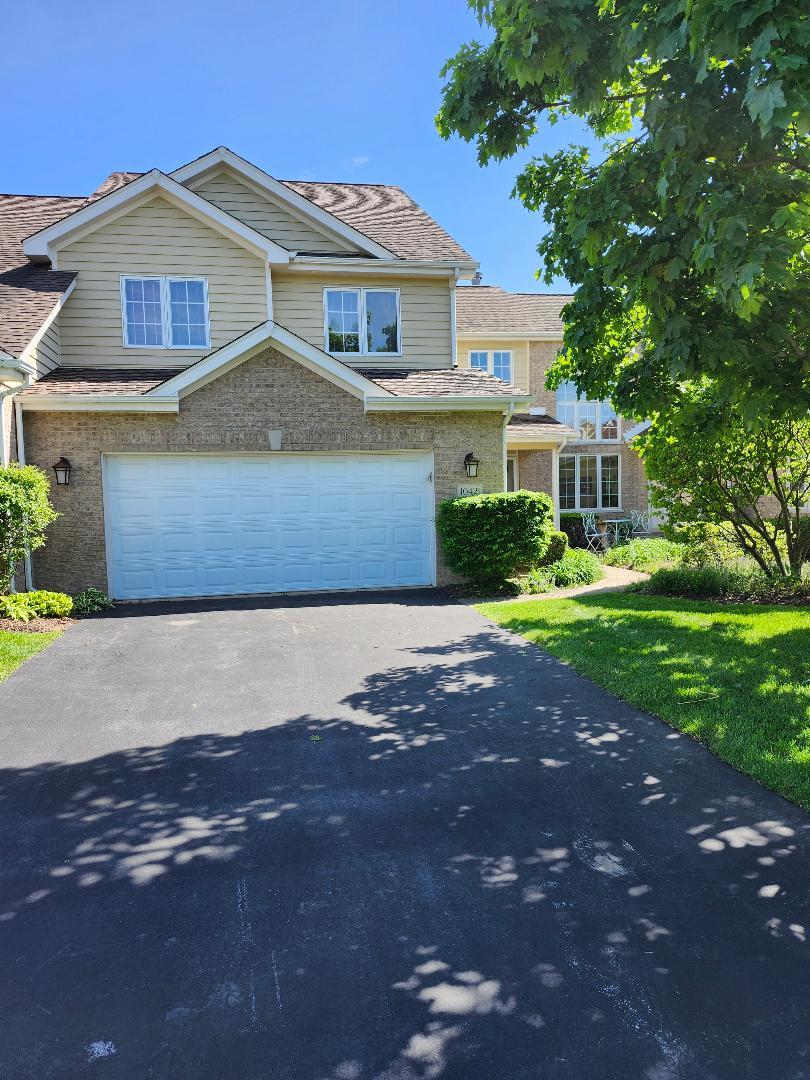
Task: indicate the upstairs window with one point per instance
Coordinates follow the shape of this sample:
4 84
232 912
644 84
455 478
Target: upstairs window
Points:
595 421
361 321
165 312
497 363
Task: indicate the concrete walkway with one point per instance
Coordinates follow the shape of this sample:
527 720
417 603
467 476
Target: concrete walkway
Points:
615 579
375 837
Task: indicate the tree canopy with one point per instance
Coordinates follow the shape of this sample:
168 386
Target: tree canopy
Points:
688 236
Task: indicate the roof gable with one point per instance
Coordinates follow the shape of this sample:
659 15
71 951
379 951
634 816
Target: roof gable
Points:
97 212
269 215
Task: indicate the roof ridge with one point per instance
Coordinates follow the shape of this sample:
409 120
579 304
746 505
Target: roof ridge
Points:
347 183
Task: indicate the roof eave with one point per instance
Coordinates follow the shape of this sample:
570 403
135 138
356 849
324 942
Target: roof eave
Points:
505 403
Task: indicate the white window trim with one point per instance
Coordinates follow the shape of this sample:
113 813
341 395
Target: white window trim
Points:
599 508
515 469
165 311
361 308
490 355
577 403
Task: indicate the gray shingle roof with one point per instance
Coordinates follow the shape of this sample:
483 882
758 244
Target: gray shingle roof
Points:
530 424
28 293
99 381
440 382
490 309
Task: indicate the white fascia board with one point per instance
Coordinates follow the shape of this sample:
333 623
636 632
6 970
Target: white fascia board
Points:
236 352
106 403
557 438
223 156
637 430
340 264
45 243
25 355
446 403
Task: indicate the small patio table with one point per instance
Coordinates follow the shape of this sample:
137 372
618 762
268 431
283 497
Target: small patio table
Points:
618 530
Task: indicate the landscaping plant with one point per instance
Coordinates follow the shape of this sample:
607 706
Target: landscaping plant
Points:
740 582
489 537
645 554
90 601
38 604
25 514
575 567
557 547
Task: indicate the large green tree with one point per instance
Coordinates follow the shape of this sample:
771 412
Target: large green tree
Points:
687 235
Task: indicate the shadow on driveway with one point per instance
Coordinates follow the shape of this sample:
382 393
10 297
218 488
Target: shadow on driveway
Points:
395 843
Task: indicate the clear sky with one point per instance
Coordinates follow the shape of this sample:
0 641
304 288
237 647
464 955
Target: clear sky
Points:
306 89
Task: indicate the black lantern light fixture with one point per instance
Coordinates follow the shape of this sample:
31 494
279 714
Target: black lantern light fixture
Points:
62 470
471 464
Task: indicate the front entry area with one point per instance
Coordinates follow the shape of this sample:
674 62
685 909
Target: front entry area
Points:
218 525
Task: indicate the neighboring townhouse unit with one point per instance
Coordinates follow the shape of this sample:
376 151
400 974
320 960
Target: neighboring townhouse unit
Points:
254 382
577 450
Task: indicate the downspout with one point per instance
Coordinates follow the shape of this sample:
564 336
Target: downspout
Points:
29 577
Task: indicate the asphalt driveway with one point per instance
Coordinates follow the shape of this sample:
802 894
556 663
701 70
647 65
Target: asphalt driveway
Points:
377 838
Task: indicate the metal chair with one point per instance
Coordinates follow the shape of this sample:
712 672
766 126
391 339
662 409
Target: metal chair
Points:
641 522
593 536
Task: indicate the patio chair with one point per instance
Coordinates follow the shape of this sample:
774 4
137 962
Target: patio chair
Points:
641 522
593 536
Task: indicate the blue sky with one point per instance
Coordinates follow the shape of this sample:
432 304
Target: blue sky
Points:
318 89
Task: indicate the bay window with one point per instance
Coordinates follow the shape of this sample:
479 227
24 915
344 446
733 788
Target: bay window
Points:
594 421
590 481
165 312
361 321
497 362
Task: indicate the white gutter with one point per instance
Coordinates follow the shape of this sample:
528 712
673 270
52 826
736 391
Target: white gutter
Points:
445 403
116 403
394 267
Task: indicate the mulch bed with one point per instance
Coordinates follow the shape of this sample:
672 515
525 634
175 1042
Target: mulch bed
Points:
36 626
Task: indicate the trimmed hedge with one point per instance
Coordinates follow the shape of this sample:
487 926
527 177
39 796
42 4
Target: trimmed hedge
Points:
571 525
489 537
733 583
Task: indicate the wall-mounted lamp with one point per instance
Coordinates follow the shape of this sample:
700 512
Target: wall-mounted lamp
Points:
62 470
471 464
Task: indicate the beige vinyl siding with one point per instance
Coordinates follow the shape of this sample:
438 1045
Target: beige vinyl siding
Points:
155 238
45 355
518 348
424 314
268 216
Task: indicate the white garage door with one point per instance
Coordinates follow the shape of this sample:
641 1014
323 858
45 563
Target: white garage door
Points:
206 525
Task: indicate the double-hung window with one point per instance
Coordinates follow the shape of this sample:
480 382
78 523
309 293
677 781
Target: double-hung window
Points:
361 321
165 312
594 421
497 363
590 482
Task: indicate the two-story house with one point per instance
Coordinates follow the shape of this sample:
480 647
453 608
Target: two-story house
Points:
579 450
254 382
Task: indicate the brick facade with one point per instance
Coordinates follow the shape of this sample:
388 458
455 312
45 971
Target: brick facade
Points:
234 414
535 466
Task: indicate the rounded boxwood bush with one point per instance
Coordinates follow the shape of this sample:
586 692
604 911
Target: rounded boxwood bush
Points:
489 537
557 547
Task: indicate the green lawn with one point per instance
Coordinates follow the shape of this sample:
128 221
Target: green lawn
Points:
735 677
15 648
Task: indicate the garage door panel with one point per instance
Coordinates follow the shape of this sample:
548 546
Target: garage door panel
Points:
186 524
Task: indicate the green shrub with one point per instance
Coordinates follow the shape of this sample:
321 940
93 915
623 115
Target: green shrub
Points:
738 582
645 555
576 567
557 547
572 526
50 605
38 604
489 537
90 601
16 606
25 514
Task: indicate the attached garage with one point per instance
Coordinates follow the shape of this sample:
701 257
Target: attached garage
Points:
222 524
